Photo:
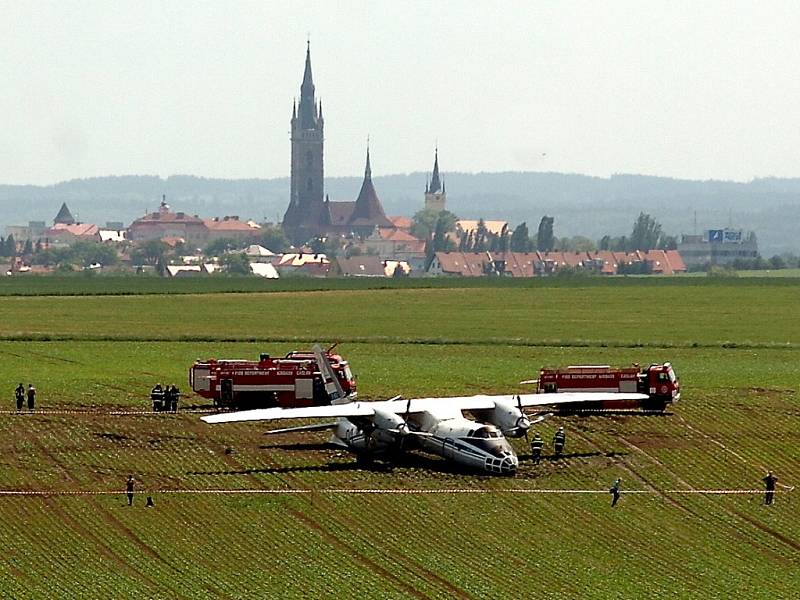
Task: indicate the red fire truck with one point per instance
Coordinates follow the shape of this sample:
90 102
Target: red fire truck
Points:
658 381
289 381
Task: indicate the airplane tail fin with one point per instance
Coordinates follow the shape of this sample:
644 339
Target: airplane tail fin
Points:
332 386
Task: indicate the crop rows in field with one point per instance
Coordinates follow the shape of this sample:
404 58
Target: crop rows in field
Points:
737 417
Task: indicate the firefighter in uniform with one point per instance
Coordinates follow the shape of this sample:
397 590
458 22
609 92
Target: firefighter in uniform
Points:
174 395
615 491
31 396
536 449
769 482
157 396
559 441
167 398
19 395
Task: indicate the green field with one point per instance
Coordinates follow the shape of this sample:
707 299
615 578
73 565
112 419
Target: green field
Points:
735 345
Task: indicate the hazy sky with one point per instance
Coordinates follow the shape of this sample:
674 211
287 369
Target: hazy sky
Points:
685 89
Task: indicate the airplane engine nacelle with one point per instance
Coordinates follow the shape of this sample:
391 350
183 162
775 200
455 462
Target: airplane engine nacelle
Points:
387 426
508 419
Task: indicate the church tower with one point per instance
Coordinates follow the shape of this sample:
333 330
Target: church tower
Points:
435 195
306 204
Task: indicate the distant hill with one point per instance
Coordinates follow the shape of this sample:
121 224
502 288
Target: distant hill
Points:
581 205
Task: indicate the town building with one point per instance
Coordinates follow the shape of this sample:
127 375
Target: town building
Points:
231 228
166 224
543 264
718 247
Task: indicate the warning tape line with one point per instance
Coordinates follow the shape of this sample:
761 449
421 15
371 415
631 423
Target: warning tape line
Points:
365 491
148 413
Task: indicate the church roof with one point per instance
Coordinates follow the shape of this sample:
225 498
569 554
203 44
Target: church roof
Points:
368 209
340 212
64 216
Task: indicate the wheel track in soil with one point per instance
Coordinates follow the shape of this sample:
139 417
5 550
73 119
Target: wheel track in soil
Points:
120 527
365 561
729 511
81 530
291 481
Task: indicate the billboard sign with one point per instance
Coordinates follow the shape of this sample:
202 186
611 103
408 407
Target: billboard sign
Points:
715 236
732 236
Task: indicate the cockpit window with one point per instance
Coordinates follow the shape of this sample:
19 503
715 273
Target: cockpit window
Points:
484 433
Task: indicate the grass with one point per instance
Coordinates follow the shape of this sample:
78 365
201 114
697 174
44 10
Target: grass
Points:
652 315
738 417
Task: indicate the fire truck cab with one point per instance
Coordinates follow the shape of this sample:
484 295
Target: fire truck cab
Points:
290 381
658 381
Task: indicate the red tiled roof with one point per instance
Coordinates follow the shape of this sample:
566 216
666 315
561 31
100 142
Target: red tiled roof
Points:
676 261
228 224
79 229
396 235
165 216
402 222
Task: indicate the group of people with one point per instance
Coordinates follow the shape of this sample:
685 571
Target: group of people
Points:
537 445
20 394
166 398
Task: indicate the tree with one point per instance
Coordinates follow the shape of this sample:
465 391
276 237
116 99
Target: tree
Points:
777 262
577 243
520 239
220 246
11 246
425 222
91 253
151 252
545 241
235 263
273 238
439 242
668 242
646 233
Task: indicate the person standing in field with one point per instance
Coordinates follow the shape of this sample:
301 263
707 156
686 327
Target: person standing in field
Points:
31 396
129 489
615 491
559 441
174 394
19 394
769 482
536 449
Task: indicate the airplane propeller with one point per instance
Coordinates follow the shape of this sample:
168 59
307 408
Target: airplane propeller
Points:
523 422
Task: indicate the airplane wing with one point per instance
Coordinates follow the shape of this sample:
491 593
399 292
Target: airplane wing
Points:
435 404
416 405
485 402
353 409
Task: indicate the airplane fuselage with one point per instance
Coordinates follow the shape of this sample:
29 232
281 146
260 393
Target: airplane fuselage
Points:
469 443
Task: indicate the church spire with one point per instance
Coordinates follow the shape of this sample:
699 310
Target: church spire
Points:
307 110
436 184
308 79
368 169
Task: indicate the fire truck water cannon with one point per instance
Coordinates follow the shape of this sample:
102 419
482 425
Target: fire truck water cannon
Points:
294 380
657 381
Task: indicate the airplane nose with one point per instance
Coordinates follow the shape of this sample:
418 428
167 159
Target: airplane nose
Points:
509 465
